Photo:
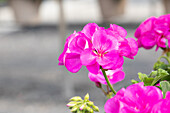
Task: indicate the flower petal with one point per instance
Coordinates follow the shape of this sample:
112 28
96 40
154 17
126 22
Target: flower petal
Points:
88 57
103 42
89 29
110 57
94 68
72 62
118 30
79 43
133 46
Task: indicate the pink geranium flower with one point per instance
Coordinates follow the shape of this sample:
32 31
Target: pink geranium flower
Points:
163 106
96 47
136 98
103 53
154 31
114 76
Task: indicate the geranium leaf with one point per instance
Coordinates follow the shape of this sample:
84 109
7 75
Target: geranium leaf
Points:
165 87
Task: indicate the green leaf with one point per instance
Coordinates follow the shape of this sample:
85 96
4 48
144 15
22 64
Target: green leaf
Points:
153 74
134 81
161 74
165 87
148 81
160 64
142 76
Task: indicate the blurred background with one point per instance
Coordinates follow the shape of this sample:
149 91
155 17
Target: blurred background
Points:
32 35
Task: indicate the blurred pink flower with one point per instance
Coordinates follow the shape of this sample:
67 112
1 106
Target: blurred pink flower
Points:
136 98
114 76
154 31
163 106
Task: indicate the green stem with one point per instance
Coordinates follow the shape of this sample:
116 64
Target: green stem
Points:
107 80
164 58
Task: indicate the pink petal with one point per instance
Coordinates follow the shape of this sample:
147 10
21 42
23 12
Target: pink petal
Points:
146 26
61 57
72 62
148 41
113 76
116 65
118 30
117 77
124 49
103 42
79 43
110 57
134 47
112 105
89 29
88 57
92 77
161 42
94 68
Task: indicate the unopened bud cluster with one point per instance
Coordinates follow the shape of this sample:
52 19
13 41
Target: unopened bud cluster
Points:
78 105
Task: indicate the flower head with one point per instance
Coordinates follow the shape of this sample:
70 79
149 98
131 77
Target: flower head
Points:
136 98
96 47
154 31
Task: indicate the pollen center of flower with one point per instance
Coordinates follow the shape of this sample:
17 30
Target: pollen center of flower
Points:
99 53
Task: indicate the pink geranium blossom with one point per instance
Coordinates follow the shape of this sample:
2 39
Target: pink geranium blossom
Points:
154 31
114 76
96 47
163 106
136 98
103 53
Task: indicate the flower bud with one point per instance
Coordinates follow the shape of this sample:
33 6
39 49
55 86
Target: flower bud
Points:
98 84
90 103
86 97
95 108
74 108
89 109
82 107
71 104
76 98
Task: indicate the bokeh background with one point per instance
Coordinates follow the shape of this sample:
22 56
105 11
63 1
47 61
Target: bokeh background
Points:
32 35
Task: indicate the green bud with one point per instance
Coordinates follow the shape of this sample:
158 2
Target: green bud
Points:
77 98
74 108
95 108
90 103
82 106
71 104
79 111
86 97
89 109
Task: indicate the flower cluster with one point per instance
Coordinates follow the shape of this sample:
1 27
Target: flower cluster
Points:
138 98
154 31
96 47
102 51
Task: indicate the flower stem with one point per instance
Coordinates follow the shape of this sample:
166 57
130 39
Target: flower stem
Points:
164 58
107 80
